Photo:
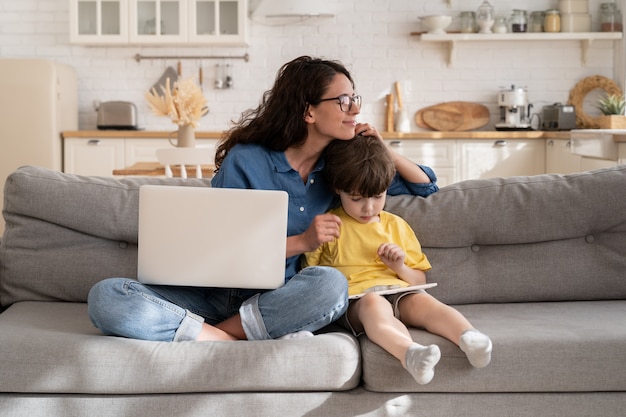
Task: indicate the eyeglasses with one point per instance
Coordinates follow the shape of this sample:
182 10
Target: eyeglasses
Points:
345 102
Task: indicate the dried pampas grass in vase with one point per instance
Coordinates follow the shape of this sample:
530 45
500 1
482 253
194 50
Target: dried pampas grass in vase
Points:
184 104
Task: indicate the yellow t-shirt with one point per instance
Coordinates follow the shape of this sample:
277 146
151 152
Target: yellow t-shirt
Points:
354 253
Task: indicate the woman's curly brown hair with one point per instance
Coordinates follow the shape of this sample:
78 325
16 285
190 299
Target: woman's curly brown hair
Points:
278 122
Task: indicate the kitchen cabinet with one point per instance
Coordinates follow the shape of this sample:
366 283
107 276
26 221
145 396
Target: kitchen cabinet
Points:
86 156
463 159
439 155
99 21
158 22
559 158
218 22
499 158
91 156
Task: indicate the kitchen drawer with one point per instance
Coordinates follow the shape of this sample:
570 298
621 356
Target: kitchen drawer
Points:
500 158
438 153
86 156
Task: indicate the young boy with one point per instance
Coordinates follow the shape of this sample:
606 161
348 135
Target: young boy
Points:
377 250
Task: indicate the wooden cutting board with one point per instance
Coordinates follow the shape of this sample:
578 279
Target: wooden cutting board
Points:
453 116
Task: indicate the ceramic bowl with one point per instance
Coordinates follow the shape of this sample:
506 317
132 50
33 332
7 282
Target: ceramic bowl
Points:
436 24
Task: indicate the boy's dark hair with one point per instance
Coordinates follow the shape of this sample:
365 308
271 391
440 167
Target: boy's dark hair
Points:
361 166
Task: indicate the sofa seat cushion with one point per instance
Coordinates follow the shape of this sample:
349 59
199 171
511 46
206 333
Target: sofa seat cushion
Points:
51 347
537 347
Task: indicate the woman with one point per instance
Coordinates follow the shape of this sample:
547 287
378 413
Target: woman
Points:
278 146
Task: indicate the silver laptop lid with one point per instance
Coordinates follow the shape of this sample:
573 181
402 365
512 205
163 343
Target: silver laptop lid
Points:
212 237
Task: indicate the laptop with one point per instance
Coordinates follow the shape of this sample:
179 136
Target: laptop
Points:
396 290
212 237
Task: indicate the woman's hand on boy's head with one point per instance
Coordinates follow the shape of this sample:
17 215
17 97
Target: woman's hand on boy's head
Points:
365 129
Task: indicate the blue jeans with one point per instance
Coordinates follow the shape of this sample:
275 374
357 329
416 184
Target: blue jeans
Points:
312 299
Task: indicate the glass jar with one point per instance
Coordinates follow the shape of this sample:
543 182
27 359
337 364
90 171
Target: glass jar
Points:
500 25
536 21
468 22
610 18
484 17
519 21
552 22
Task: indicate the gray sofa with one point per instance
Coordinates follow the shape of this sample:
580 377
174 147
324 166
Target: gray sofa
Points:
538 263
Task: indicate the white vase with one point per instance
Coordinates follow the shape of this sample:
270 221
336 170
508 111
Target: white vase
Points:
186 136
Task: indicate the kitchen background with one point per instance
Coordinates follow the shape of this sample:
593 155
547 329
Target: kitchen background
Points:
372 37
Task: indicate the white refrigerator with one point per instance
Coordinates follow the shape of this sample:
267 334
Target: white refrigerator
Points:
38 100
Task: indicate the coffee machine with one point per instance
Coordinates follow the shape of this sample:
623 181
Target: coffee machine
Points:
514 109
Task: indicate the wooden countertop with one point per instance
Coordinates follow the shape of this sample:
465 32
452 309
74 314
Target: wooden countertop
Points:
134 134
423 135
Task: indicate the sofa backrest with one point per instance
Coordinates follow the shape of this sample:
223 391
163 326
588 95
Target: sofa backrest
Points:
541 238
66 232
517 239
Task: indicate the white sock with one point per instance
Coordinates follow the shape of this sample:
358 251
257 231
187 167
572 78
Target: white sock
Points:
477 346
421 360
297 335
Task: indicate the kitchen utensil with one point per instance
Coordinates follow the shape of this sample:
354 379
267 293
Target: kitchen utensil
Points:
389 125
468 22
120 115
436 24
169 73
445 116
574 6
575 22
200 76
443 120
485 17
559 116
552 20
403 123
519 21
610 18
514 109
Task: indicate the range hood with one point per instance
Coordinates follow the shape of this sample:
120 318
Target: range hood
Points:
291 10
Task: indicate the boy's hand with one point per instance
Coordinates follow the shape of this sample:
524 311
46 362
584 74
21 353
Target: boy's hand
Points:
324 228
392 255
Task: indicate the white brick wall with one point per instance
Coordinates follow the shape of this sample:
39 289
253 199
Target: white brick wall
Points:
370 36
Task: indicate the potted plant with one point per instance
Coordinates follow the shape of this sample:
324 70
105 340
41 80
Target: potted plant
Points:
612 107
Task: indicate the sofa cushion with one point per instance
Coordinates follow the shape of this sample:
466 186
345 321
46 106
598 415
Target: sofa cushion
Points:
66 232
537 347
521 239
53 348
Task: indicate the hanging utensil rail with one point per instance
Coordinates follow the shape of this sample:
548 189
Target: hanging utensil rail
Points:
139 57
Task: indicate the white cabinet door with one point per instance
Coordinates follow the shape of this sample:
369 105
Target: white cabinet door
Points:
500 158
589 164
559 158
99 21
93 156
437 154
158 21
218 21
